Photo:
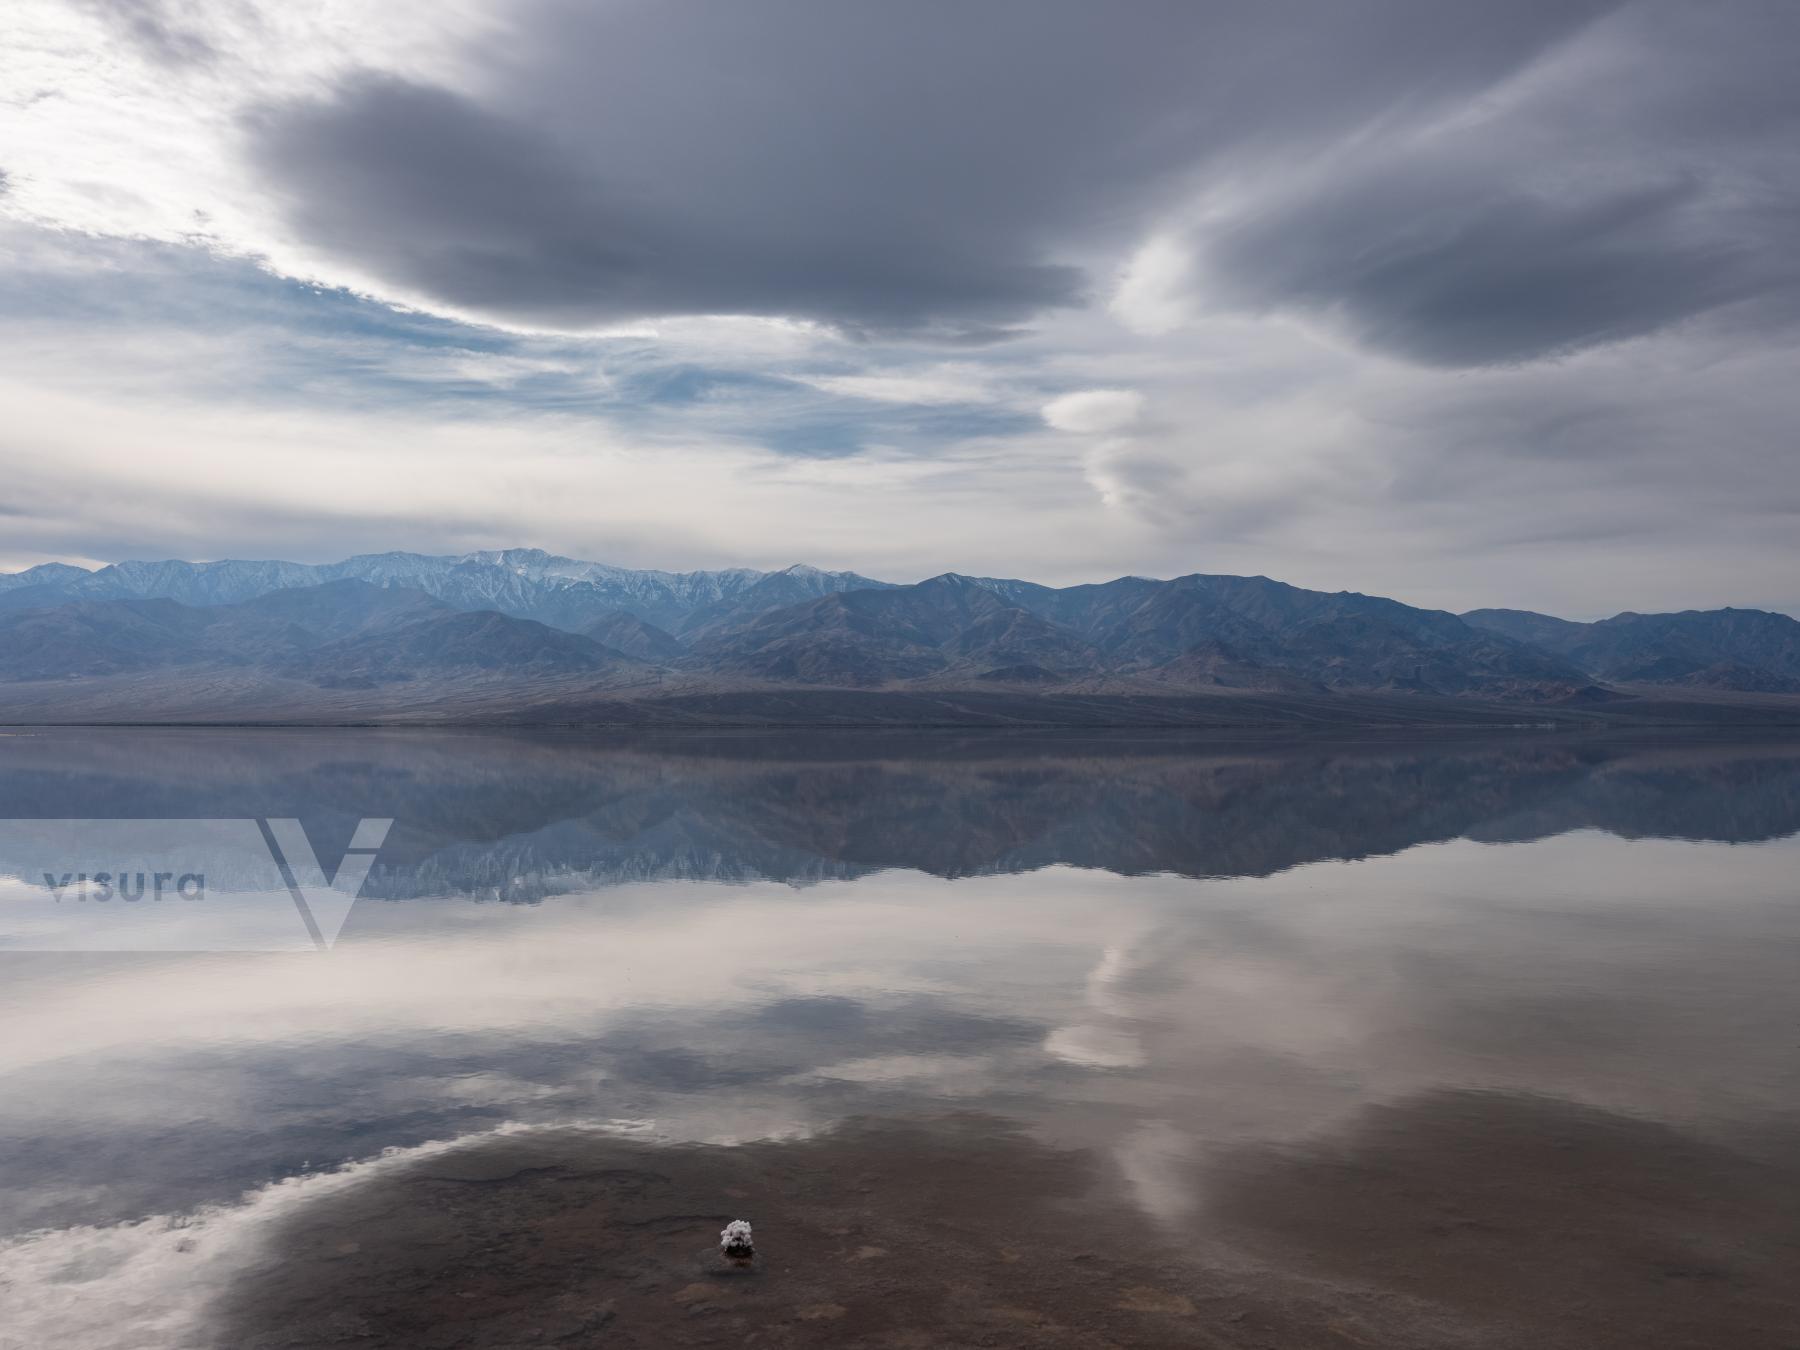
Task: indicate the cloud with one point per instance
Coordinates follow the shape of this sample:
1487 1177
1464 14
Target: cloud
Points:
1657 467
1451 187
164 37
910 168
1095 412
440 197
943 384
1648 173
1152 295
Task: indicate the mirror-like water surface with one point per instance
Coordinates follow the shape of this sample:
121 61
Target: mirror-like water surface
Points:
997 1040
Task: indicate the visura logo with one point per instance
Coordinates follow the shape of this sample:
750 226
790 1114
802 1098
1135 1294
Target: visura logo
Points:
134 885
127 886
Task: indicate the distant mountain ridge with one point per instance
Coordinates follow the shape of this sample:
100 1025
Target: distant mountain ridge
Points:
346 634
502 632
1749 650
526 583
1193 631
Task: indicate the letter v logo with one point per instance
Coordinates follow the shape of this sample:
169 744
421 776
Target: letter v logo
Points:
324 905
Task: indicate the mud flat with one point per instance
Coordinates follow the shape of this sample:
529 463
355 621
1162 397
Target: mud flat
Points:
1457 1219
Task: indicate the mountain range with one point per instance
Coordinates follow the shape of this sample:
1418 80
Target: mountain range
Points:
526 583
521 634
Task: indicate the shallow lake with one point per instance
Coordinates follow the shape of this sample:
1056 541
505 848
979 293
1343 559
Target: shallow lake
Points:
996 1039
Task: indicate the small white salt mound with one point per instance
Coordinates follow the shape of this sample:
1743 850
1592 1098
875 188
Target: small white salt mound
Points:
735 1237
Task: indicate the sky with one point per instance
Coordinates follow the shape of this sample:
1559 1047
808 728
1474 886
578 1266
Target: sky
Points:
1477 304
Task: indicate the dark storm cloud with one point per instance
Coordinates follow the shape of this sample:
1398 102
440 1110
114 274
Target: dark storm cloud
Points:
485 212
920 167
1654 178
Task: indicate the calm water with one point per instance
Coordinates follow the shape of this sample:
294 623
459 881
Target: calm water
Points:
1033 1041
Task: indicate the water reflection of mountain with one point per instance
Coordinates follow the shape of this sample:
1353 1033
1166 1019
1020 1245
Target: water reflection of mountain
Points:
522 816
